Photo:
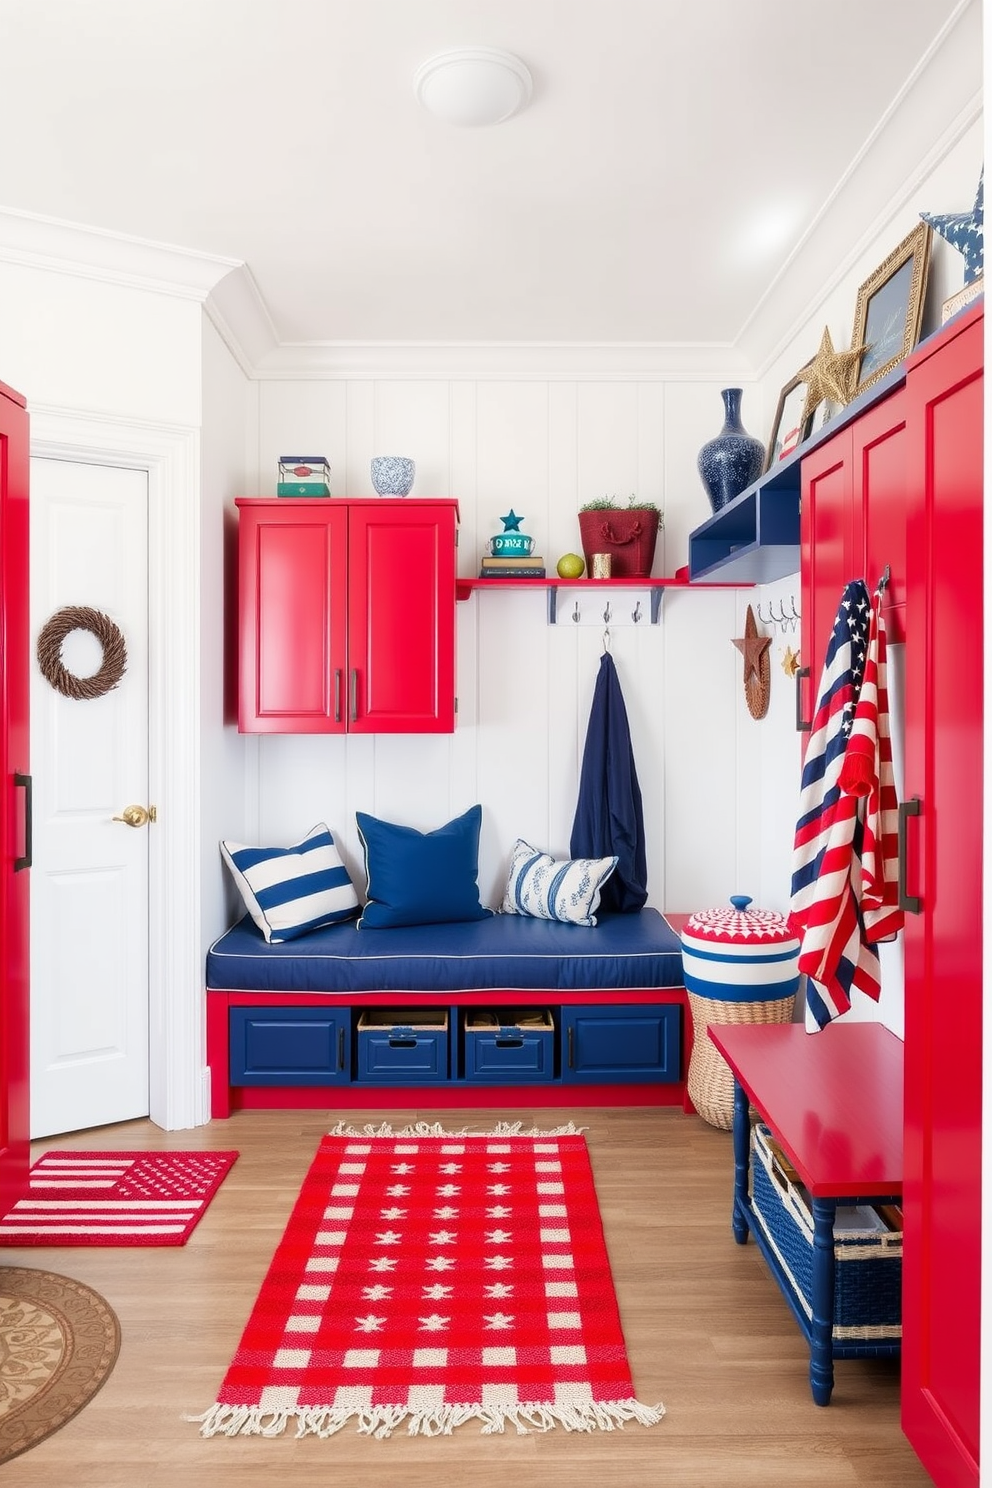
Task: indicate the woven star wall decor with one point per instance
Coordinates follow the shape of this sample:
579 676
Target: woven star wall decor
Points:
965 231
757 676
831 374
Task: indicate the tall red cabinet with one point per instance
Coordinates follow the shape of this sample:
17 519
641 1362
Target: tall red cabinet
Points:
346 615
899 486
943 941
15 798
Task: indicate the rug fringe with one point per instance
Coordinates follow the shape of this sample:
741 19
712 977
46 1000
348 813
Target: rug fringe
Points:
382 1420
435 1129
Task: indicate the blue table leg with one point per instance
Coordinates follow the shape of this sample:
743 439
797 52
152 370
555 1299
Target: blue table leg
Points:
821 1357
742 1158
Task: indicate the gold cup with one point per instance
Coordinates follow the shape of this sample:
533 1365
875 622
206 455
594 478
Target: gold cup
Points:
602 565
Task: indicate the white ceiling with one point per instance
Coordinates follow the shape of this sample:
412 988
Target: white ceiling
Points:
673 155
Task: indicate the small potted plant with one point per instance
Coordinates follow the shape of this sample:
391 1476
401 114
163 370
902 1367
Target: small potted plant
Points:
627 531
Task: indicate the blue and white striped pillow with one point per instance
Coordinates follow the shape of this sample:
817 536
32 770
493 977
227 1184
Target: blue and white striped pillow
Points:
291 890
546 888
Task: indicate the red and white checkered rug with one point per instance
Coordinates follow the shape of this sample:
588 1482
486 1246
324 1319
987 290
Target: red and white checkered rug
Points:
115 1198
431 1280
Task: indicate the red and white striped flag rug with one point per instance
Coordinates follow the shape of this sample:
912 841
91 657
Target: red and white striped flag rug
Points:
115 1198
429 1280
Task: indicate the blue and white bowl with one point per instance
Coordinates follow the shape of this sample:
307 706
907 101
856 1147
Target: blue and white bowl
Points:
392 475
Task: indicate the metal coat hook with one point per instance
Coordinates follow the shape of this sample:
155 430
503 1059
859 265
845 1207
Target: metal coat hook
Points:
886 576
795 617
607 613
761 618
635 613
606 639
781 619
576 613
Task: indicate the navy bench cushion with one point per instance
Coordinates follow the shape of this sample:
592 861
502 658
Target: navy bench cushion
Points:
511 952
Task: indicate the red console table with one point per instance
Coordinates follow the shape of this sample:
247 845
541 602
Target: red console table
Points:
834 1102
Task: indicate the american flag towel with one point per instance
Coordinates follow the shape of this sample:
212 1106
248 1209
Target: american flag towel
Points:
844 895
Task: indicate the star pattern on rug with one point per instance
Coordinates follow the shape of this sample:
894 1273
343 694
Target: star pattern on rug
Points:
559 1355
965 231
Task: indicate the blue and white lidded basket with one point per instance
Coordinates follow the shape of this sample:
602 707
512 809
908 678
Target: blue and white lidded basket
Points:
739 965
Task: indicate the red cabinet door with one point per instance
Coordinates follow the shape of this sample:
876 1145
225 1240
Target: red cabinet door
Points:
826 536
15 799
852 526
292 565
878 463
942 1161
401 618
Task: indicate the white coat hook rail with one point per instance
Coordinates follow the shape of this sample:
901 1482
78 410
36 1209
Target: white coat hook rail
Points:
621 608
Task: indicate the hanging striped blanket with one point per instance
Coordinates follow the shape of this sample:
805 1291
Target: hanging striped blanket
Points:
844 857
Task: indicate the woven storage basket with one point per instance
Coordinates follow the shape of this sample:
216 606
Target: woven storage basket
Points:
867 1261
629 535
739 966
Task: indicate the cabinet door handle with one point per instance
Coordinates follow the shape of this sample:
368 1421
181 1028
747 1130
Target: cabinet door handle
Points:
25 781
354 694
571 1048
911 903
337 695
802 727
340 1048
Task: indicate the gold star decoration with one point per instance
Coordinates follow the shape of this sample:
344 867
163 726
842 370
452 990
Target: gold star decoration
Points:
790 661
831 374
757 680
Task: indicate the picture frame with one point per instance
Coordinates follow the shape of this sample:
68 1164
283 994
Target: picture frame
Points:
888 313
789 429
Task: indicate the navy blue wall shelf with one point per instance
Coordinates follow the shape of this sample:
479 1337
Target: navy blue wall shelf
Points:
754 539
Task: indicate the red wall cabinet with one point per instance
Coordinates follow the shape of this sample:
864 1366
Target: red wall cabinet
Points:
346 616
943 942
852 525
15 799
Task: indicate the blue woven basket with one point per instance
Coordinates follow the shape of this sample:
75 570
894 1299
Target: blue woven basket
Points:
867 1262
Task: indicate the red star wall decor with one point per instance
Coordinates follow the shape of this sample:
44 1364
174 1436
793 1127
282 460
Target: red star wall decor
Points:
757 672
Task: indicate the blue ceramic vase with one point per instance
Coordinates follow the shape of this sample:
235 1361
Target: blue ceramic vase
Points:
730 462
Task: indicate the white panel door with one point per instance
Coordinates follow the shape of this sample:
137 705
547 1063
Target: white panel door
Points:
89 891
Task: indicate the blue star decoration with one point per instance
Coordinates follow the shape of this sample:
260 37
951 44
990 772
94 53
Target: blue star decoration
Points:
965 232
511 522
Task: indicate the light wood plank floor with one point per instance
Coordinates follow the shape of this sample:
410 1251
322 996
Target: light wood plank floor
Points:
707 1331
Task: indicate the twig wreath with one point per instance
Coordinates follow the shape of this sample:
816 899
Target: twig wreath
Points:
52 637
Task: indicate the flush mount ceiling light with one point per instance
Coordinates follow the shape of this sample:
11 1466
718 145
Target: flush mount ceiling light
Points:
473 85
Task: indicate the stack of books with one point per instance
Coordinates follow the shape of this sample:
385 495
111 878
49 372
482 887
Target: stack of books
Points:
529 567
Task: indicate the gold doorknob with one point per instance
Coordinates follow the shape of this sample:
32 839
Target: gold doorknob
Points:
136 816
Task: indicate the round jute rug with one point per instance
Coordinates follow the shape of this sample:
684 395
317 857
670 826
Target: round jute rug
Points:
58 1343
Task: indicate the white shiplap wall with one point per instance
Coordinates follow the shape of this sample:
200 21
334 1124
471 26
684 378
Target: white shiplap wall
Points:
524 688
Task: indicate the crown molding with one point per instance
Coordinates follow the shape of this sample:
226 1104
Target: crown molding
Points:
500 361
241 317
90 253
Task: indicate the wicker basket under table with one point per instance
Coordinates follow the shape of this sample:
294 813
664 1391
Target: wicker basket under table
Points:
709 1082
867 1261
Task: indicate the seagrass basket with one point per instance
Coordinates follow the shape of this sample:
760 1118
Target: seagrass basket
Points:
739 966
710 1081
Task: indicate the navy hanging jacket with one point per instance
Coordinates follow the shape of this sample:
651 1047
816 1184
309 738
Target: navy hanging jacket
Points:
609 818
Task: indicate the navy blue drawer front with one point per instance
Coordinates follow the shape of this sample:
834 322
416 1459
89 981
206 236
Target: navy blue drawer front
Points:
503 1049
405 1047
621 1045
290 1046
